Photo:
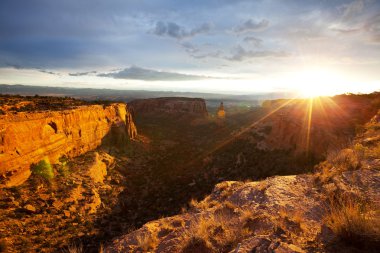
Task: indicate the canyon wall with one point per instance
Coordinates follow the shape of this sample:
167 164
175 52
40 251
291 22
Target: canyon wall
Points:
27 138
171 105
314 126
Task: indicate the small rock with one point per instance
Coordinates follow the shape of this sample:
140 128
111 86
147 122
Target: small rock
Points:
57 204
67 213
9 199
30 208
44 197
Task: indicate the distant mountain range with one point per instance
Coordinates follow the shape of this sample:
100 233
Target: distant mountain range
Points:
129 95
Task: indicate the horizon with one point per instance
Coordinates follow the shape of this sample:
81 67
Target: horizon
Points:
308 48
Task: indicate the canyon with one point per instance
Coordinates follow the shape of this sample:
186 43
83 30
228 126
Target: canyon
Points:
109 180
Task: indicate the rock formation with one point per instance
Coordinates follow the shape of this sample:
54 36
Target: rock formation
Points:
27 138
169 105
221 114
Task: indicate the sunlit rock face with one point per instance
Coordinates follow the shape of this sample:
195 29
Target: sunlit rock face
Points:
27 138
172 105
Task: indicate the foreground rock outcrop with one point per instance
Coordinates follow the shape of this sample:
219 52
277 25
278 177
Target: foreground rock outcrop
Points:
171 105
27 138
280 214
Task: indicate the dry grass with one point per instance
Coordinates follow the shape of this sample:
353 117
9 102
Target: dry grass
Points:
338 162
74 248
147 242
354 222
220 231
202 205
346 159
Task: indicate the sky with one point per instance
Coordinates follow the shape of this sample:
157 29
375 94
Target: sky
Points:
312 47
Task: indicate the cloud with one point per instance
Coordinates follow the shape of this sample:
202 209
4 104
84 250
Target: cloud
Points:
252 26
82 73
49 72
201 53
19 67
253 40
352 9
241 54
346 31
372 26
173 30
137 73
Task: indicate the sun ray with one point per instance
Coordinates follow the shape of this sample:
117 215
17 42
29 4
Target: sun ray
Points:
310 115
236 135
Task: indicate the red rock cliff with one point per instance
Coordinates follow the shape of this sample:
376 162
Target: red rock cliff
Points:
27 138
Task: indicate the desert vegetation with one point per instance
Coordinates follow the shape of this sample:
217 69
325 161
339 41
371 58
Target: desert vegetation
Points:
354 221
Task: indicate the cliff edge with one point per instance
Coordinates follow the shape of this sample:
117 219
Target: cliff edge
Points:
27 138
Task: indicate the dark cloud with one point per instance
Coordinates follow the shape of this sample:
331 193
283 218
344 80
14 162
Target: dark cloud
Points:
171 29
137 73
198 53
17 66
241 54
252 26
253 40
82 73
49 72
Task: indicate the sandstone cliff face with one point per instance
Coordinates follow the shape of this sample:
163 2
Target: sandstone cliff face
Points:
171 105
27 138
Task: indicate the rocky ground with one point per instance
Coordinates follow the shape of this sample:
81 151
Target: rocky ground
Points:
44 215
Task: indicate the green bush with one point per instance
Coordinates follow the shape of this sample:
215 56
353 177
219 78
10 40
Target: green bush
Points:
43 168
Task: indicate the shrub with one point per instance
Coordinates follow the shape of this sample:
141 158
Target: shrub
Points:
346 159
354 222
43 168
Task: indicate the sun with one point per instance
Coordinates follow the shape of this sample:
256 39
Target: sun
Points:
316 82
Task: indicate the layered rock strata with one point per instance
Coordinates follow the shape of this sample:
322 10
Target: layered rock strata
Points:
27 138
